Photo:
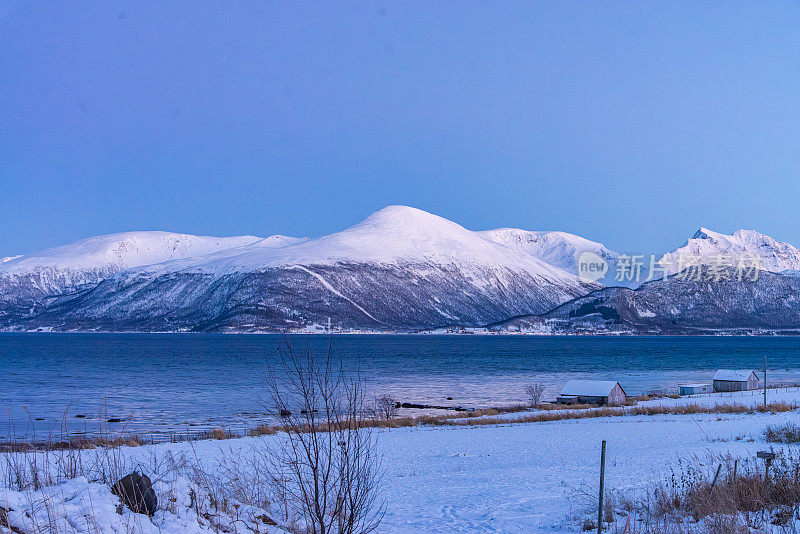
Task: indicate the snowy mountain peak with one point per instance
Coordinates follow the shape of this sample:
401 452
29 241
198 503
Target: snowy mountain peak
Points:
388 236
399 267
704 233
706 245
400 212
89 261
406 220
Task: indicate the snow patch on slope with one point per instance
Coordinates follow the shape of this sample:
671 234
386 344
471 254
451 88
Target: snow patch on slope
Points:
335 291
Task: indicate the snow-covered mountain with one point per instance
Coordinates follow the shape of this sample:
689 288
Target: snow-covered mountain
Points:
675 304
26 280
708 247
743 281
559 249
393 234
116 252
401 268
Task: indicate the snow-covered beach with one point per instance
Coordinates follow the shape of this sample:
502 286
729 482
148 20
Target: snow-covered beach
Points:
507 477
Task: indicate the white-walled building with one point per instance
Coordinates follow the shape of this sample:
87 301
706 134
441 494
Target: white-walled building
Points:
735 380
592 392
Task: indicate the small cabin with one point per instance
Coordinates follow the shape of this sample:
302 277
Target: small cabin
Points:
592 392
735 380
694 389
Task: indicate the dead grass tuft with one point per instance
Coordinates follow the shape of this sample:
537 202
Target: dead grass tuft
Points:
743 499
218 433
786 433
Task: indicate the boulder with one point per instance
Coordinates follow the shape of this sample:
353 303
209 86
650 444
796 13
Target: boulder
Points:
136 492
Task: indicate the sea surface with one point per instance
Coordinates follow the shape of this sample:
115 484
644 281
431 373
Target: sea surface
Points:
66 384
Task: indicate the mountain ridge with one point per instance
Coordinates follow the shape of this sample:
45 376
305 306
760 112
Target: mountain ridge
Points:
709 246
399 269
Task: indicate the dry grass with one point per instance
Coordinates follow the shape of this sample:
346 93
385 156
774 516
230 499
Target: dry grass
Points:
483 417
786 433
687 409
402 422
553 413
218 433
742 500
73 443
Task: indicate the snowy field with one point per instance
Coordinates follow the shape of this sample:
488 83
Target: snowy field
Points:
534 477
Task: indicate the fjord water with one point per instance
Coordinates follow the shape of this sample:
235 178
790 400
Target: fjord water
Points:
74 383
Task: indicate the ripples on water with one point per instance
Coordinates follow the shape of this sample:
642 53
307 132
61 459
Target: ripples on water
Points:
180 382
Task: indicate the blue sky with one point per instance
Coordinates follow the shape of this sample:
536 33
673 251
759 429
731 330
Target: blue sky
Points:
630 123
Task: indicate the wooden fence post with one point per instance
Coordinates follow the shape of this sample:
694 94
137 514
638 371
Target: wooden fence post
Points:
602 487
714 483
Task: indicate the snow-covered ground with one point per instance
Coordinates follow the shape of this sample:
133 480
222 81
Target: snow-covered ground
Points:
534 477
789 395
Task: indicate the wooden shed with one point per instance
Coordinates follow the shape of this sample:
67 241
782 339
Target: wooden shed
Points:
693 389
592 392
735 380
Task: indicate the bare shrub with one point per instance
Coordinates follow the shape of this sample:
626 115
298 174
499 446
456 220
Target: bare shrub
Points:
656 393
786 433
385 407
535 392
326 464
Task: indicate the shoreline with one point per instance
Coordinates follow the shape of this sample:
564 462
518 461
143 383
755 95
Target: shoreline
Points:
422 415
769 334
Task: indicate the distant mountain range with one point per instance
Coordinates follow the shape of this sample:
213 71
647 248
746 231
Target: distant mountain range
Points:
401 269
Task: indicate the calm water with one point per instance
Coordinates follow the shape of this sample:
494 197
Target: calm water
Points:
165 383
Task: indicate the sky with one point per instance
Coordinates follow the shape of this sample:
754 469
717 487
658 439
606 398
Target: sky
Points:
629 123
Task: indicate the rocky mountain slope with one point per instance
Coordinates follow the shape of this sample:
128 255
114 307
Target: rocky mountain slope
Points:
679 304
